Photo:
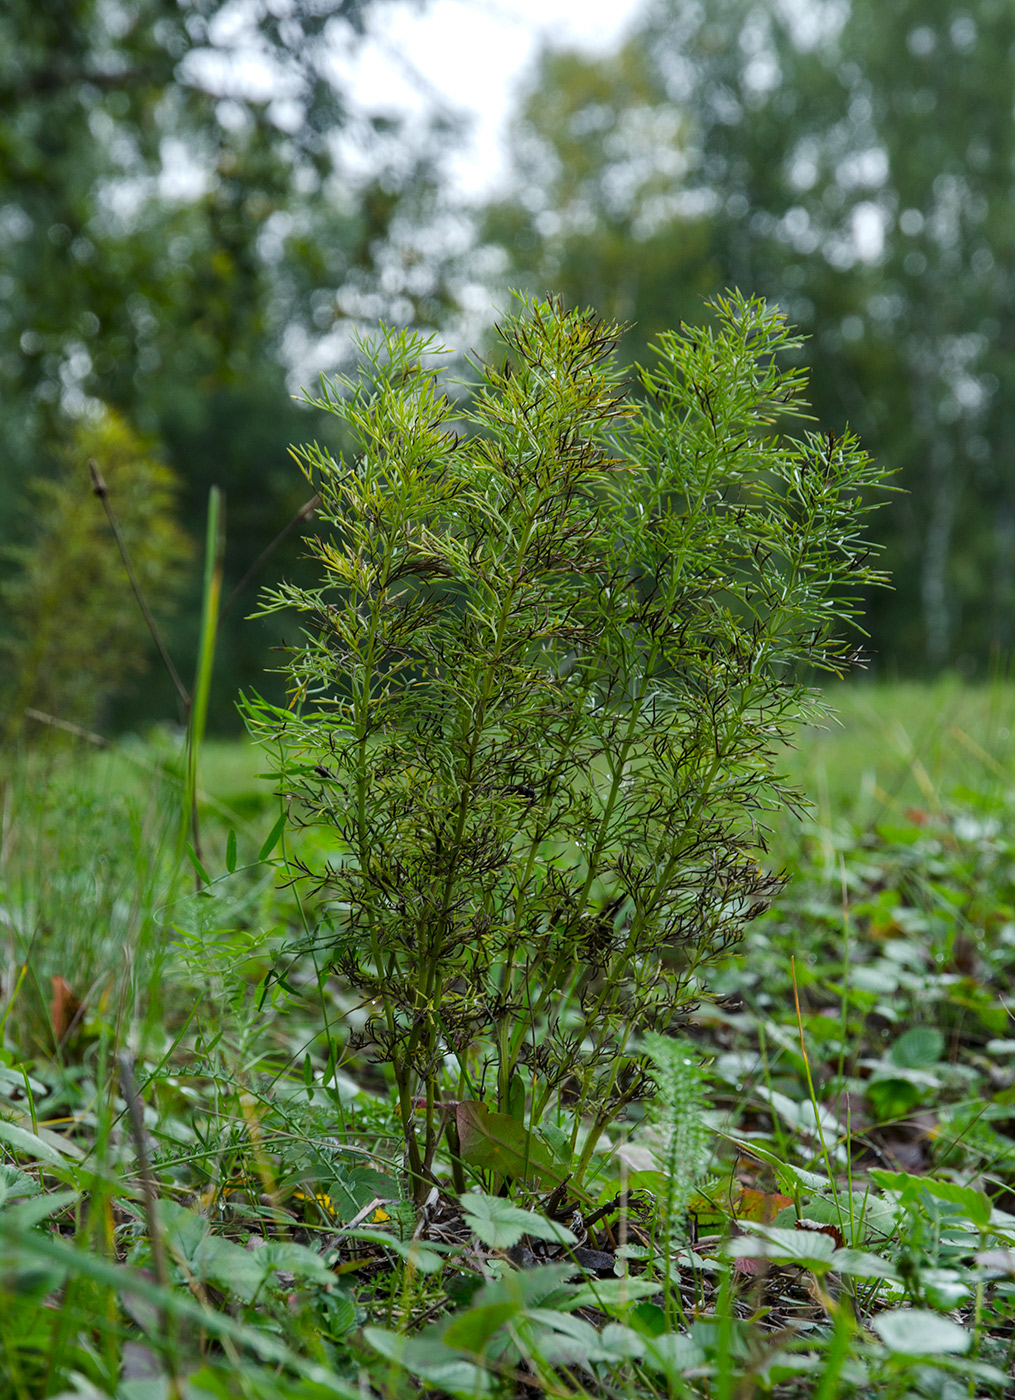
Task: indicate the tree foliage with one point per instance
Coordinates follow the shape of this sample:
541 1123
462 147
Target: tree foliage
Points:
180 220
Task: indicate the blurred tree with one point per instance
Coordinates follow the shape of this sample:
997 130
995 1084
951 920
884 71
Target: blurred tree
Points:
854 162
599 208
179 222
75 633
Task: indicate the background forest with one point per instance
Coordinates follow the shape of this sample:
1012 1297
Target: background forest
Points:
196 218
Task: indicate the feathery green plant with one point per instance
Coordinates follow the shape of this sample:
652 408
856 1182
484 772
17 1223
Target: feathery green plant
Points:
678 1109
560 633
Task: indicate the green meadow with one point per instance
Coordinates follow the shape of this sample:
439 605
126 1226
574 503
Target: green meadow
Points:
203 1189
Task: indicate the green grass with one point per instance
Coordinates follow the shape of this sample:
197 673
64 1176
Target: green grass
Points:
243 1232
892 746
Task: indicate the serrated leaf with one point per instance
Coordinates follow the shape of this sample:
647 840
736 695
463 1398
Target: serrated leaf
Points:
209 1257
807 1247
975 1205
15 1184
918 1048
673 1355
296 1259
499 1224
559 1339
544 1285
620 1343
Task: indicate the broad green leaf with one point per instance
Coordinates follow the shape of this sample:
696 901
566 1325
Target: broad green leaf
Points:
975 1205
430 1360
28 1213
426 1258
184 1229
472 1329
30 1144
559 1142
919 1332
231 850
352 1188
918 1048
132 1283
233 1269
544 1286
16 1184
496 1142
296 1259
997 1261
861 1264
559 1339
892 1096
612 1293
499 1224
210 1257
946 1288
648 1318
800 1114
673 1355
620 1343
808 1247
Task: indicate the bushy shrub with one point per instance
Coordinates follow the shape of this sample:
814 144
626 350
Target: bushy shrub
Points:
561 632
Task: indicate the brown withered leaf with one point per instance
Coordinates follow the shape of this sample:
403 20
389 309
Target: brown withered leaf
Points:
822 1227
64 1009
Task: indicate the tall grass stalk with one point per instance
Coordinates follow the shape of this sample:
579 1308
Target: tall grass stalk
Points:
198 711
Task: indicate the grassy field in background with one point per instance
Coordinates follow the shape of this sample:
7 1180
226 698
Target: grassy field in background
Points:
884 748
891 746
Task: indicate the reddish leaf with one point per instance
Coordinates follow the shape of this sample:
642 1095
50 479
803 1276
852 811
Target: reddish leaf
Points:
64 1009
818 1227
761 1206
751 1266
497 1142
